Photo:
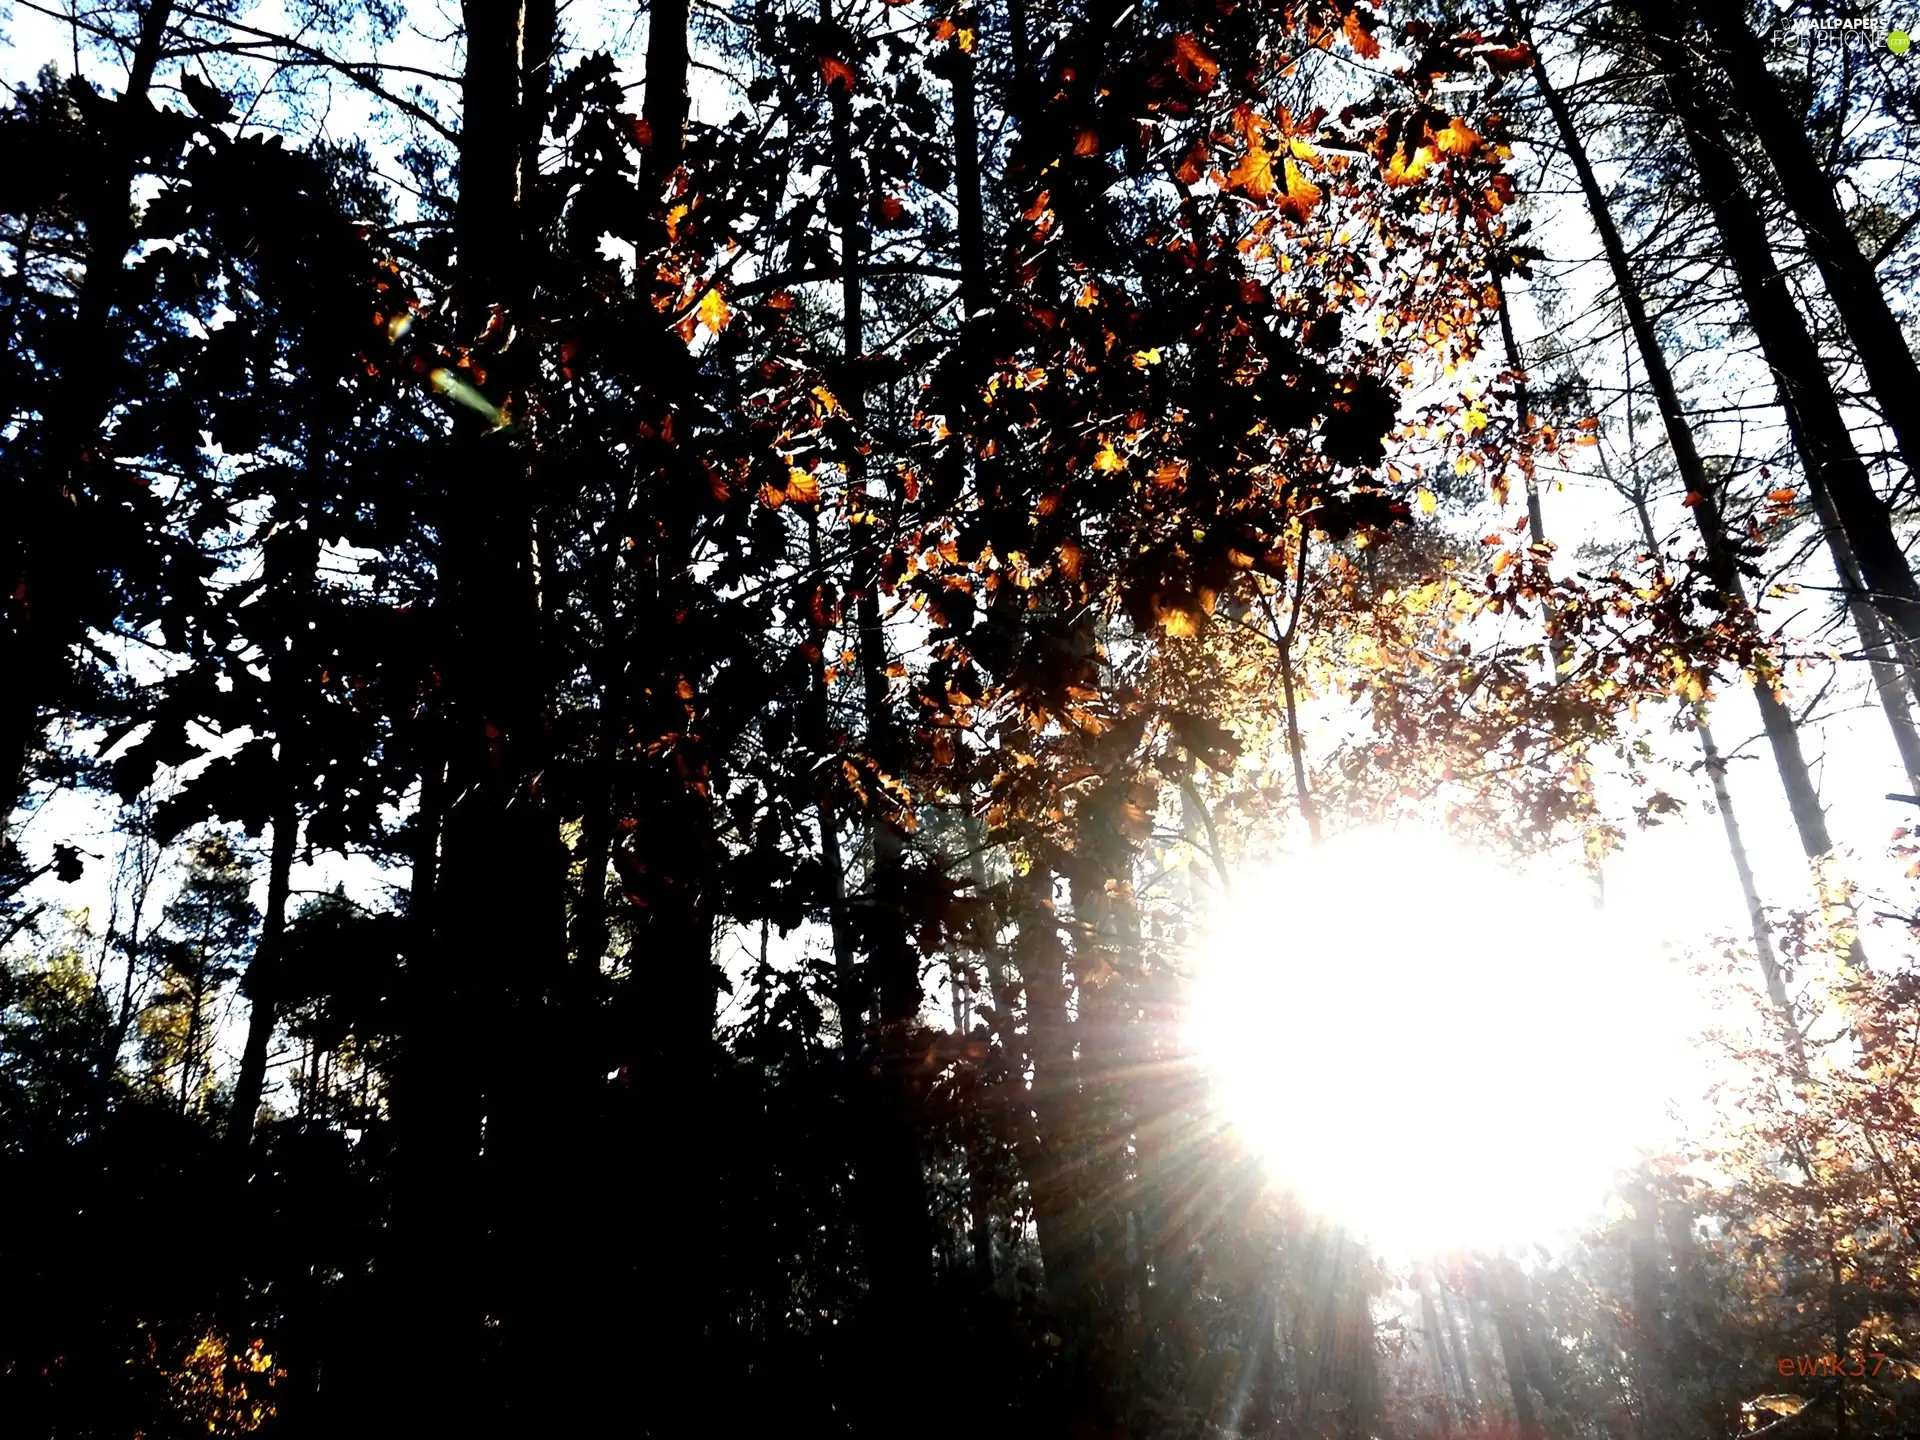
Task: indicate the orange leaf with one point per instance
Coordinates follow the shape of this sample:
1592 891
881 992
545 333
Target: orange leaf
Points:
1194 166
1781 497
1253 176
802 488
1195 65
1457 138
1359 35
1301 197
1409 170
836 72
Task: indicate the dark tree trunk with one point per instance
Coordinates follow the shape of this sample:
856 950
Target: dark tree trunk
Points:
1783 738
665 107
292 562
896 1221
1833 467
477 1236
53 576
1781 128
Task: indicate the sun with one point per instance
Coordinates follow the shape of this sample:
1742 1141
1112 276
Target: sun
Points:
1430 1048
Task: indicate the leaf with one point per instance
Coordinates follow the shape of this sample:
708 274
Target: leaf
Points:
1782 496
1457 138
1195 65
1253 176
1359 33
836 72
1405 169
1302 196
802 487
713 312
1428 500
1194 165
1108 460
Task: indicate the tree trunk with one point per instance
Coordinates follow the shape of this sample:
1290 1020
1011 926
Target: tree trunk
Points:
1881 651
492 913
1833 467
1781 129
54 557
292 562
899 1233
1802 798
664 109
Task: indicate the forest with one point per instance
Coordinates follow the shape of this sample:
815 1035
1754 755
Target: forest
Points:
1105 719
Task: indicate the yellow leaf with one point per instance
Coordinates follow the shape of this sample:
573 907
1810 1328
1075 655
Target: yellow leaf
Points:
713 312
1427 500
1475 420
1108 459
1301 197
1458 138
802 488
1253 176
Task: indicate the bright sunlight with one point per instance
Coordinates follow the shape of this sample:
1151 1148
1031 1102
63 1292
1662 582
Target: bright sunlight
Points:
1432 1049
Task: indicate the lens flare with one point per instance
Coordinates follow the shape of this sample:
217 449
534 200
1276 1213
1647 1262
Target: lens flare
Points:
1432 1049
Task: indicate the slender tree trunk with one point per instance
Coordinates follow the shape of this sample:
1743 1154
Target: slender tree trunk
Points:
262 975
1881 651
898 1226
1536 518
1716 767
664 109
50 553
1833 467
292 562
1780 126
1782 736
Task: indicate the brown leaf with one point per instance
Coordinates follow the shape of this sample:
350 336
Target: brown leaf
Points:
1457 138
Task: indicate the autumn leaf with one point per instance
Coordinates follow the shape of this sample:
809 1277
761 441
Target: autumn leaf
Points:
1179 622
802 487
1194 64
1194 165
1428 501
1407 169
1108 459
713 312
836 72
1783 496
1253 176
1302 195
1457 138
1359 33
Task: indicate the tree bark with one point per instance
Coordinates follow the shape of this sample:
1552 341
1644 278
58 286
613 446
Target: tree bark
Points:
1851 282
